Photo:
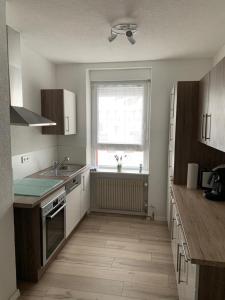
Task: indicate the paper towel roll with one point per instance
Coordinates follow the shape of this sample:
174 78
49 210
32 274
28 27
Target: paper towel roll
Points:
192 176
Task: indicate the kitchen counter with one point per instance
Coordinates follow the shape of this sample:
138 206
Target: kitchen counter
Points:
203 223
31 201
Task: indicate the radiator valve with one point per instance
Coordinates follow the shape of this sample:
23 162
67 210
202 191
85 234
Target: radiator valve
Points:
152 212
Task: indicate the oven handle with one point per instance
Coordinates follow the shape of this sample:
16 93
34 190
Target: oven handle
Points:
55 213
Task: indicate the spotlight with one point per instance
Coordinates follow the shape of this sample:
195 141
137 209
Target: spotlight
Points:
112 37
123 29
130 37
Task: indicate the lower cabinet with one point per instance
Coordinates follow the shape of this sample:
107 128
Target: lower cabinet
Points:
77 203
85 193
186 272
73 204
204 281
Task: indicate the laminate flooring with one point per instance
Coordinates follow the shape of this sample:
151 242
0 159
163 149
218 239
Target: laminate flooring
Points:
110 257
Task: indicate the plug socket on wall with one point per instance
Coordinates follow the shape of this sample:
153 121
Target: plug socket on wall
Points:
25 159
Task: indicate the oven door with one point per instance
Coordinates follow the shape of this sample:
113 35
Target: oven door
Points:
53 231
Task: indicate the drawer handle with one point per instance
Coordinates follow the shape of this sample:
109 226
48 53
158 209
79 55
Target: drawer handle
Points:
177 220
186 256
179 269
172 229
178 251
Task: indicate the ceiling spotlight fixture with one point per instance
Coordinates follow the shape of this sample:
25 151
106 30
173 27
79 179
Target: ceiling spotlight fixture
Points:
123 29
112 37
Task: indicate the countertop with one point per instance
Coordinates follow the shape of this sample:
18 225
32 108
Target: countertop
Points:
203 223
30 201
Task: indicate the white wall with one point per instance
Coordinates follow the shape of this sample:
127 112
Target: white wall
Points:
37 73
164 75
73 78
219 55
7 247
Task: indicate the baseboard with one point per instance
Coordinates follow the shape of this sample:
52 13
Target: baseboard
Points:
159 218
117 211
15 295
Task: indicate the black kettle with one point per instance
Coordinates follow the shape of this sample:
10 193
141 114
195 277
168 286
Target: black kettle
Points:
217 181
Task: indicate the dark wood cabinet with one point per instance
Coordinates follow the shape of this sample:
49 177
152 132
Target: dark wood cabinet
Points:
184 147
60 106
28 243
183 134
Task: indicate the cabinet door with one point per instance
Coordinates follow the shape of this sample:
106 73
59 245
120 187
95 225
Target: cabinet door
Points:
85 192
172 132
69 113
174 235
73 200
187 272
215 121
203 108
170 201
52 108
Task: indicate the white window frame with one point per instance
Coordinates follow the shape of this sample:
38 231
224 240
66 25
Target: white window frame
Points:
121 147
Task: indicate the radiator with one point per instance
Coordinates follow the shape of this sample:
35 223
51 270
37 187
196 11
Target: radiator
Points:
119 192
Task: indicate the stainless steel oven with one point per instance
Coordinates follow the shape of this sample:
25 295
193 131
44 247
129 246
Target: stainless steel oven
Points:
53 223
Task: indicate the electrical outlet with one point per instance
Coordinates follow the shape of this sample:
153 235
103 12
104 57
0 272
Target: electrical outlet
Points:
25 159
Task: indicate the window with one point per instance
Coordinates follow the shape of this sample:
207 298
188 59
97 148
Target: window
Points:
119 123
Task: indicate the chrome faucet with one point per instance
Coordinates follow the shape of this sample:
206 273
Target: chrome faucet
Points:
59 164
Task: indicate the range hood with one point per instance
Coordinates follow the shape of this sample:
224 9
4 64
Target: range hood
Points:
18 114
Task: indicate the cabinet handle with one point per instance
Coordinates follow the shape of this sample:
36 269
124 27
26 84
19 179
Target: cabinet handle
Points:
179 268
171 196
178 252
83 179
208 137
171 132
203 127
186 256
170 159
210 117
177 219
172 229
68 124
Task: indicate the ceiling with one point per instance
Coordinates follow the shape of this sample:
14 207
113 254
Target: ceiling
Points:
78 30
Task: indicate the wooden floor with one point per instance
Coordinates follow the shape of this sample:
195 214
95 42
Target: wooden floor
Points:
110 257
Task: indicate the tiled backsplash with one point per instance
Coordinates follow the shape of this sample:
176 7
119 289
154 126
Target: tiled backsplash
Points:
34 162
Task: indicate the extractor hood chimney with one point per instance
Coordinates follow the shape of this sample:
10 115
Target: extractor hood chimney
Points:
18 114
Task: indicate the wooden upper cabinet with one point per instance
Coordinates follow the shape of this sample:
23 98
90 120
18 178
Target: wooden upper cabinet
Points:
60 106
215 123
203 108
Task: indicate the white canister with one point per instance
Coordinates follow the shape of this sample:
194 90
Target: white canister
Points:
192 176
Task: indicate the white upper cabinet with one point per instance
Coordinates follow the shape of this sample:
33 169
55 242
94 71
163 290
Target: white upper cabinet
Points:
69 112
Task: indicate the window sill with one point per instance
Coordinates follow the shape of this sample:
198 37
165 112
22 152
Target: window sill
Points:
123 171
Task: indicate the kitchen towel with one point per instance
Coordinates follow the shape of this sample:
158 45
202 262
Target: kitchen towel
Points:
192 176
